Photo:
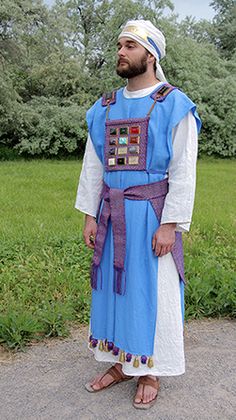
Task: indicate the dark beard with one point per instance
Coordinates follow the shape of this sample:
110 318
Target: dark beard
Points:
133 69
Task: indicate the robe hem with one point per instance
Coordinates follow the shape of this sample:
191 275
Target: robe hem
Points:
140 372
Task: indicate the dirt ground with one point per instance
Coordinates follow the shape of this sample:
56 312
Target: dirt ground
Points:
47 381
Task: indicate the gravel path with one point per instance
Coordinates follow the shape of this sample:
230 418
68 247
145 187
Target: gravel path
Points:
47 382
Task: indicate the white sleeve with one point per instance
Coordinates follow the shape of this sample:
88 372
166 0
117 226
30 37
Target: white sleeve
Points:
90 182
179 201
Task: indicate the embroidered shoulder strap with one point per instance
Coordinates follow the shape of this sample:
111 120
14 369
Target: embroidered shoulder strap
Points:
160 94
109 98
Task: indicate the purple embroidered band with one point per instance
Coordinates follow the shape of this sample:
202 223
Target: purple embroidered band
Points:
113 207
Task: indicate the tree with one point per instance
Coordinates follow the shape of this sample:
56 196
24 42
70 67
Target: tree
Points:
56 62
93 31
224 26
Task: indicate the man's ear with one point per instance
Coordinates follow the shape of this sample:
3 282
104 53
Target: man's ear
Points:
151 58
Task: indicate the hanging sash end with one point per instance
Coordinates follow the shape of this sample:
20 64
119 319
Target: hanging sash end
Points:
94 276
118 276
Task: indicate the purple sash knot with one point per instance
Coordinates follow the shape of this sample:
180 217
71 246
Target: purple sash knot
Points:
112 206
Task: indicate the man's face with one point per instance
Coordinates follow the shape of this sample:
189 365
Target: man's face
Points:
132 58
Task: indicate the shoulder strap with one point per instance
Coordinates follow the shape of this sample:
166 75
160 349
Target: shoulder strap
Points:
109 98
160 94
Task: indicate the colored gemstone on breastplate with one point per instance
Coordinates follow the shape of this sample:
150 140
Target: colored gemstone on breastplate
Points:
111 162
134 139
113 141
134 130
113 131
112 151
124 130
133 160
121 161
134 149
122 150
123 140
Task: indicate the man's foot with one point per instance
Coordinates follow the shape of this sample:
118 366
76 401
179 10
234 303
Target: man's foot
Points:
111 376
146 392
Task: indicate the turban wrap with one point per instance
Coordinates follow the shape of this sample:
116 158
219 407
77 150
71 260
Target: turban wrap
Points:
146 34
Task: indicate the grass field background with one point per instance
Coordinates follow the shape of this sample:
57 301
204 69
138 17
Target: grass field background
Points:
44 266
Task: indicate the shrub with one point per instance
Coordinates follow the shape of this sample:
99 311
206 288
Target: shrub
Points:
48 129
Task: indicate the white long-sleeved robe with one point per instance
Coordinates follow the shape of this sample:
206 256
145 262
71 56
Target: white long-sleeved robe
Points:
168 344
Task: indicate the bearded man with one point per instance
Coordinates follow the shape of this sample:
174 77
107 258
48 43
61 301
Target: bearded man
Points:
137 189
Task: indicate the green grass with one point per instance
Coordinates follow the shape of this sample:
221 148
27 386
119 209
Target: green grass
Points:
210 247
44 266
44 276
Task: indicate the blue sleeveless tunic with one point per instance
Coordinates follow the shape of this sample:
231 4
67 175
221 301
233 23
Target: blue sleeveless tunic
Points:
129 320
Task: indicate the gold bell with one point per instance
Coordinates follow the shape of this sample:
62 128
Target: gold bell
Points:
150 362
136 362
122 356
101 346
106 347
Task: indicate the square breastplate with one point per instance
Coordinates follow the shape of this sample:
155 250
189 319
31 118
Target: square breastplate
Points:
126 144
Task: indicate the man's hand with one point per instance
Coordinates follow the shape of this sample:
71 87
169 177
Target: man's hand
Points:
163 239
90 230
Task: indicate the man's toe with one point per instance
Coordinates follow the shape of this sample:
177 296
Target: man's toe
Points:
146 398
149 395
95 386
138 397
139 394
96 380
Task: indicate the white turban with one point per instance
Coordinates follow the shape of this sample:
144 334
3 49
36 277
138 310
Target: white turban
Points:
145 33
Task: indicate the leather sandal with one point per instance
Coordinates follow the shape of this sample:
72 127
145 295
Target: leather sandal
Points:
117 377
144 380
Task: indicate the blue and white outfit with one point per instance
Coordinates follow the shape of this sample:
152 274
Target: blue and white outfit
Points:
148 319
